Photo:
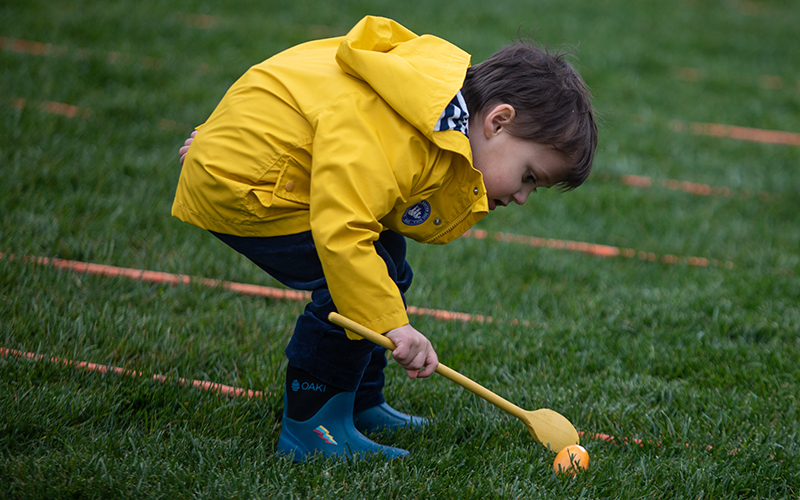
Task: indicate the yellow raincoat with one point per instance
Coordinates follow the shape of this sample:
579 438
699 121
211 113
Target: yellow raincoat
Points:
336 136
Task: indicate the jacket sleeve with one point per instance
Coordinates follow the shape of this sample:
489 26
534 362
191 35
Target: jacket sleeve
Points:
353 186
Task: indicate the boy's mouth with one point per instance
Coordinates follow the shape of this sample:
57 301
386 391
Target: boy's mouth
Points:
497 203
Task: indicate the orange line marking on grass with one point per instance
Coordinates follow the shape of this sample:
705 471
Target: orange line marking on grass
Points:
225 390
31 47
53 108
47 49
243 288
746 134
172 125
645 182
596 249
769 82
199 21
162 278
624 440
636 181
442 315
71 111
739 133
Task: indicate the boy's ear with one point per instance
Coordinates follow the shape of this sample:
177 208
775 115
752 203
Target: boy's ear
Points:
498 117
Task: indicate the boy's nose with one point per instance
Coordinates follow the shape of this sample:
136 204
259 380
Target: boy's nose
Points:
520 197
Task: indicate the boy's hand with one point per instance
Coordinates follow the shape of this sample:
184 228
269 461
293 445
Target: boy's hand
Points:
413 351
185 149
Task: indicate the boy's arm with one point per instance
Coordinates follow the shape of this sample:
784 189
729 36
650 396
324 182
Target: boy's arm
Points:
353 186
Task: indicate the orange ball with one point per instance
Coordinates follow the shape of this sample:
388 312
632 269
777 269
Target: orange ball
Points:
572 459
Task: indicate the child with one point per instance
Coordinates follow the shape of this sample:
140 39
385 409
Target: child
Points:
319 161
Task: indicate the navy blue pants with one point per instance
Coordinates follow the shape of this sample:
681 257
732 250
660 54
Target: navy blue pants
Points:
317 345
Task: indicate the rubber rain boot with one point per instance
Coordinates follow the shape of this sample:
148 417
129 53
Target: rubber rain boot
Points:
331 432
385 418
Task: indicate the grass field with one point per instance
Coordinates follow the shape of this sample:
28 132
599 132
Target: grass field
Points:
689 339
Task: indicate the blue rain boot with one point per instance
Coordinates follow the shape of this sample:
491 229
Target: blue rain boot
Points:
379 416
330 432
385 418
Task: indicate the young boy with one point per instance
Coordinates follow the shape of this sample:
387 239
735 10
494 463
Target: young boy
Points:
319 161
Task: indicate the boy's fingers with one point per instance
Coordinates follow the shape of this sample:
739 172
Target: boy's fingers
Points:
185 149
399 354
430 366
425 372
414 353
421 366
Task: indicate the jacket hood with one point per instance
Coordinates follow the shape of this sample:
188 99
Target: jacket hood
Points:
416 75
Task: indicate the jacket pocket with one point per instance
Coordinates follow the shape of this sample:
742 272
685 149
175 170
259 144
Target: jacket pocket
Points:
294 181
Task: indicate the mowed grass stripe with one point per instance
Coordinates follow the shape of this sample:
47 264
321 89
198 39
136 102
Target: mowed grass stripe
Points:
207 22
238 392
222 389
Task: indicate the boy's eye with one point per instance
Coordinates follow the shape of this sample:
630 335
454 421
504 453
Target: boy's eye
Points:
530 178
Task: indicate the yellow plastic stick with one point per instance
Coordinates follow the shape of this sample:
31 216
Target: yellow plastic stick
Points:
546 426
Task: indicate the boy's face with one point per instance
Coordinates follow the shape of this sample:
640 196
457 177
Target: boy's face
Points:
512 168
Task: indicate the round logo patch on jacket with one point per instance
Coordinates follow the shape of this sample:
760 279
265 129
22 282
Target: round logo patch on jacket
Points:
417 214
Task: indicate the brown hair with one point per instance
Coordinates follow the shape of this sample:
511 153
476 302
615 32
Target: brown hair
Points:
551 102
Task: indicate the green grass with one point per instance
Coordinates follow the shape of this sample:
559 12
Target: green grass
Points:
686 356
